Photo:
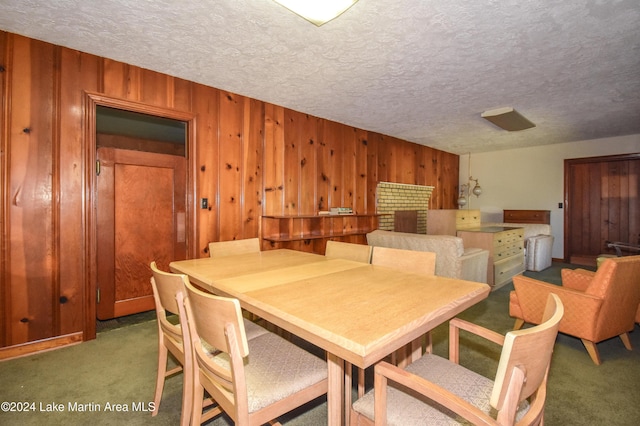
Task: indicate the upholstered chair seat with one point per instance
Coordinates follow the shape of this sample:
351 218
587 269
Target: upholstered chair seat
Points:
405 409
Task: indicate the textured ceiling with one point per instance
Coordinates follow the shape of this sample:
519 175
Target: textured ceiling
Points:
420 70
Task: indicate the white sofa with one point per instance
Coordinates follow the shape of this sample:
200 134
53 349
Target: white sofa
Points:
538 244
452 258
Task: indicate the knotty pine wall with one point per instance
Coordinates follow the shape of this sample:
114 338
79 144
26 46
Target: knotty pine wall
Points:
251 158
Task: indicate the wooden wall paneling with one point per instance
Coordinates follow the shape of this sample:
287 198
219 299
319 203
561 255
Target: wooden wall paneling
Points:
361 193
292 123
423 175
120 80
437 162
156 88
31 251
273 164
421 169
182 94
431 176
397 149
385 159
206 105
332 133
4 150
323 160
449 172
407 163
308 164
349 140
372 172
252 166
79 71
230 165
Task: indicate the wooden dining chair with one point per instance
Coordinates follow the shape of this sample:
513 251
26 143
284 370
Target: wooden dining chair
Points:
349 251
420 262
434 390
218 249
172 338
233 247
358 253
253 381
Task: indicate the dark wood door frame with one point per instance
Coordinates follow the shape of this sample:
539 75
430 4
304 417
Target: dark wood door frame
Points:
90 191
567 190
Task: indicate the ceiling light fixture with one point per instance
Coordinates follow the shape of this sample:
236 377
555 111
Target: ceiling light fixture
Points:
317 12
507 119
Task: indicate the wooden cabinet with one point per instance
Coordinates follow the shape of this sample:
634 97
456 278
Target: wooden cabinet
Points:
310 233
527 216
449 221
506 251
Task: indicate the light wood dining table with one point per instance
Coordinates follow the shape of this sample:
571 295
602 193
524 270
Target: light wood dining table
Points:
358 313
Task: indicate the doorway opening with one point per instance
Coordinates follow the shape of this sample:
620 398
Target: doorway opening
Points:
140 204
602 205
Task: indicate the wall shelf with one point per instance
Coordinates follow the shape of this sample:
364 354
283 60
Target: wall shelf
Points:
295 231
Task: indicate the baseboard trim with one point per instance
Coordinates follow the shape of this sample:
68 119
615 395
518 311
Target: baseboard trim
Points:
44 345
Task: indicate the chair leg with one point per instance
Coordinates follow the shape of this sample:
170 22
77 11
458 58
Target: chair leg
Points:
626 341
361 389
428 346
198 399
593 351
518 324
187 393
162 370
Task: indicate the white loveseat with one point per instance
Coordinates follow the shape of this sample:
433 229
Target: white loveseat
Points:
452 258
538 243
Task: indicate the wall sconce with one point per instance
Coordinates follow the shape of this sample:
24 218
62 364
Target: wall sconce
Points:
464 191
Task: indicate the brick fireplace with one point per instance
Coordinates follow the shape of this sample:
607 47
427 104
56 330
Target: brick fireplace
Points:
392 197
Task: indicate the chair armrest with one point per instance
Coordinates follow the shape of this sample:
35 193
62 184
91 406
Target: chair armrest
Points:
454 336
577 279
385 371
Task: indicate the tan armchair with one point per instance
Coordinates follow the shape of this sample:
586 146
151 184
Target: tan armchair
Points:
598 305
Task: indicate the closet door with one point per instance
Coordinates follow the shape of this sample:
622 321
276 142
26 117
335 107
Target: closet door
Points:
141 218
602 204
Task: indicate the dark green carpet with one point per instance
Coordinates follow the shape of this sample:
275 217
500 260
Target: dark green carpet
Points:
119 368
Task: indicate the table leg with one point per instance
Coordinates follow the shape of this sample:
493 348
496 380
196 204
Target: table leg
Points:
336 391
348 382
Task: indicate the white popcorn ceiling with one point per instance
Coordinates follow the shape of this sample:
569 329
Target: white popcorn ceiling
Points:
419 70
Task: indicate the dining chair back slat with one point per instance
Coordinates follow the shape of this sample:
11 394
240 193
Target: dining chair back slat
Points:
234 247
348 251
